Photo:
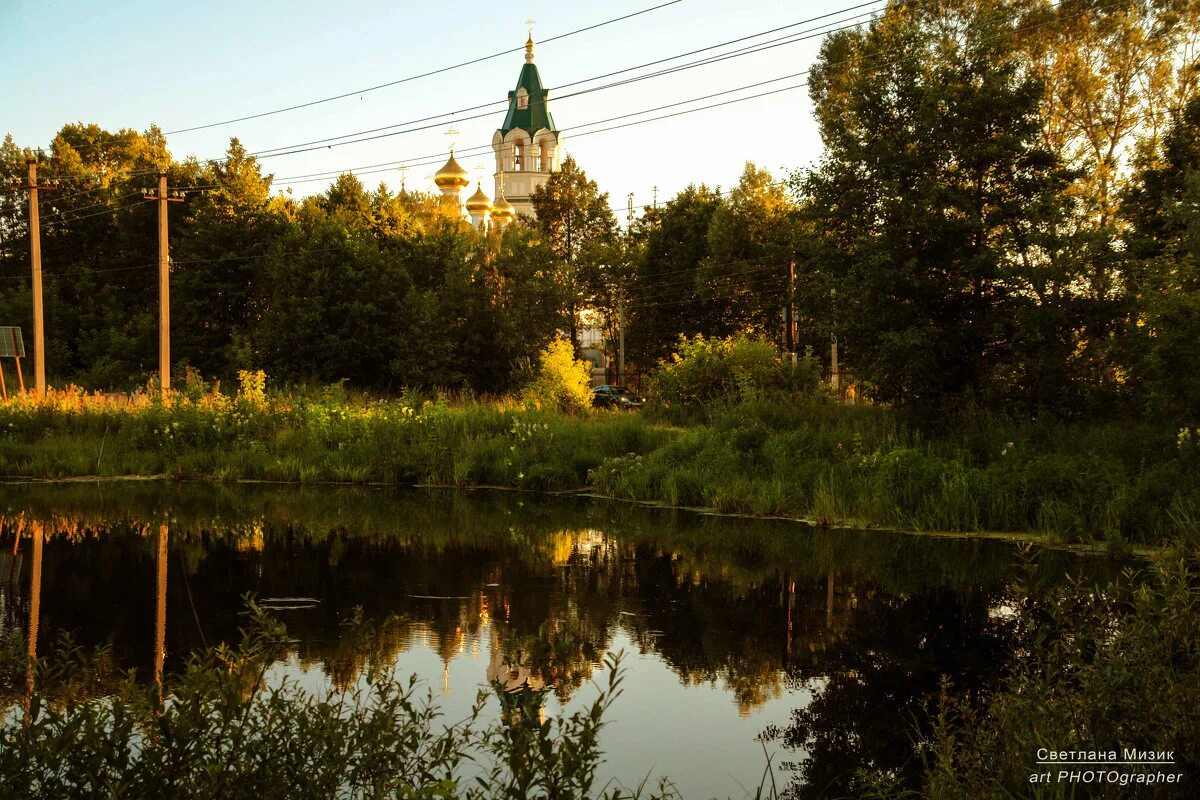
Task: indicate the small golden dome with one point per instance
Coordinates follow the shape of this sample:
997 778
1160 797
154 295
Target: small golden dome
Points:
451 175
479 202
502 210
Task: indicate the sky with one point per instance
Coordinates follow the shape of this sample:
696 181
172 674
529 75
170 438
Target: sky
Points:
182 64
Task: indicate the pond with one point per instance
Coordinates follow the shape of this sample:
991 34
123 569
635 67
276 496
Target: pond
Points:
742 638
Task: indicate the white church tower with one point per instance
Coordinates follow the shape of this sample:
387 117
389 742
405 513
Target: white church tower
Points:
527 145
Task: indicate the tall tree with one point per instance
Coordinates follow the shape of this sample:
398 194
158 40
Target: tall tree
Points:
750 243
669 300
1114 75
938 214
576 219
1163 210
219 279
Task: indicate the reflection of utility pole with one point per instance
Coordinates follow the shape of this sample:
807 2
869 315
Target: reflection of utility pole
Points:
35 607
829 599
164 281
160 607
791 610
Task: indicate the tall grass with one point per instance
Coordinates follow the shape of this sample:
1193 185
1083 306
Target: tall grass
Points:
768 455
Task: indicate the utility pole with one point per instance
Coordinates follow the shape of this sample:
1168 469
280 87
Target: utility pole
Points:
35 252
835 378
164 280
656 198
621 340
789 313
621 299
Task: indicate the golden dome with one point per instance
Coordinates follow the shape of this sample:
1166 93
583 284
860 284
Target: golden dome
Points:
502 210
479 202
451 175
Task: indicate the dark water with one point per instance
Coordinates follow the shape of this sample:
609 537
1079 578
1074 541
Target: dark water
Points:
820 647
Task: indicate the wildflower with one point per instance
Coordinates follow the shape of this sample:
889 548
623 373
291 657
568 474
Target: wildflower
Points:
520 475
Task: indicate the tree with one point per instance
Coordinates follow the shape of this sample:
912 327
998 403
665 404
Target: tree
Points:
1114 75
1163 210
940 222
673 243
750 241
218 285
576 220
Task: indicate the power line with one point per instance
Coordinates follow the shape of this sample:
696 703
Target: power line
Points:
418 76
331 142
791 39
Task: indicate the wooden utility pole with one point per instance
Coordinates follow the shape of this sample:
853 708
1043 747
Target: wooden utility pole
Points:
35 252
835 379
621 299
621 340
789 313
164 281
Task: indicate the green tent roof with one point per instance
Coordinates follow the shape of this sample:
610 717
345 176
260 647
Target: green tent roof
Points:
534 116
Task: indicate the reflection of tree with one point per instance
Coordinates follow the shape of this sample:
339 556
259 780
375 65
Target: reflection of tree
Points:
871 685
745 605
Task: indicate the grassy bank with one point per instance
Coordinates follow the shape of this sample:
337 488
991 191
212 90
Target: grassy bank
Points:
1119 483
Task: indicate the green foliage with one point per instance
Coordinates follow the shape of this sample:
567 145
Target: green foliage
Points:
561 382
579 227
941 242
383 290
703 371
221 729
1099 669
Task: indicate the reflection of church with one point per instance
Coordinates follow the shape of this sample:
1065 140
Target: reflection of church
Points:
527 147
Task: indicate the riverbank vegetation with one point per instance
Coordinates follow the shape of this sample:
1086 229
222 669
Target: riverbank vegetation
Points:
1002 236
222 727
749 452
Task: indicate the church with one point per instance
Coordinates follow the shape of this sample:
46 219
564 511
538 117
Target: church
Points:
527 147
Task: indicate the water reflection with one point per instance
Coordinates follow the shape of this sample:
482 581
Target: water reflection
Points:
827 642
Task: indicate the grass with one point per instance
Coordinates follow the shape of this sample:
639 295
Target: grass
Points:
773 456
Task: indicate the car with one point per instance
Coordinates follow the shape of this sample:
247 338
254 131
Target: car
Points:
615 397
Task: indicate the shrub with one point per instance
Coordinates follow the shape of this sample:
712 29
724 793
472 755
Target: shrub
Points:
220 729
252 387
1099 669
561 382
738 368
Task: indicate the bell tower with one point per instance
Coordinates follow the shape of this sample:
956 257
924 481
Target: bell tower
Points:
527 145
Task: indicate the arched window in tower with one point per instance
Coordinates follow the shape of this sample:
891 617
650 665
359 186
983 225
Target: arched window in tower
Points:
522 98
518 157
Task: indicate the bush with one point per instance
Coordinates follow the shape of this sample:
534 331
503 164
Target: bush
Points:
562 382
1099 670
738 368
223 730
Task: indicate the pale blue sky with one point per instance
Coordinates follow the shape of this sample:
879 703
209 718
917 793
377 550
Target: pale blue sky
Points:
177 64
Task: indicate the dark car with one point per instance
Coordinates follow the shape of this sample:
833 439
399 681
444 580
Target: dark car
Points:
615 397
